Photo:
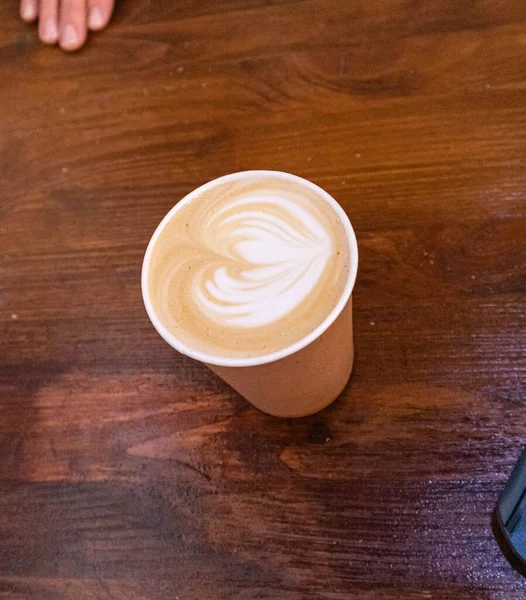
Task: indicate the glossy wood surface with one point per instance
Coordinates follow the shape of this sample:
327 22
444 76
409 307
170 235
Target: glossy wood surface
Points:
128 472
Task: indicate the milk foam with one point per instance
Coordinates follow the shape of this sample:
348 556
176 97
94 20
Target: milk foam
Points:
281 264
249 267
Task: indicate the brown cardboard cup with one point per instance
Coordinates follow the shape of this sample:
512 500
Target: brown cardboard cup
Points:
298 380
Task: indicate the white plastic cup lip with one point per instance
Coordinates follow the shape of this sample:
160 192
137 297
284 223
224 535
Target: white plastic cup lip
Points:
225 361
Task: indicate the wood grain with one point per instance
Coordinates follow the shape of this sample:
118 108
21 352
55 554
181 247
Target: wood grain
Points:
130 472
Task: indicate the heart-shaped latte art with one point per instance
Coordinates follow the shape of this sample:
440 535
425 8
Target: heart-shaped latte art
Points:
269 264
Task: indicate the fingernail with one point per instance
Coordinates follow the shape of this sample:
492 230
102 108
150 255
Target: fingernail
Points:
29 11
70 37
95 18
50 30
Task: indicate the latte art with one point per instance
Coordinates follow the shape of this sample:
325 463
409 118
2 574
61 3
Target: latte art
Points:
248 267
274 263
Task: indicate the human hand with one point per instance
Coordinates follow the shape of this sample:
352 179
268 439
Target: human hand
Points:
67 22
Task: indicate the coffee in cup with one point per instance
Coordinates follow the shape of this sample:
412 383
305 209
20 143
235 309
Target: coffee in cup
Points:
252 275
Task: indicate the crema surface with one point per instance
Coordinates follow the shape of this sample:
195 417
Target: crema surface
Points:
248 267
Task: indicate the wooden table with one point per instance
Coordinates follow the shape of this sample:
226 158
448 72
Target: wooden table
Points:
128 472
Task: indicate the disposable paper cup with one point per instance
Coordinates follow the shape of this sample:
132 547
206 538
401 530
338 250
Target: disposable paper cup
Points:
302 378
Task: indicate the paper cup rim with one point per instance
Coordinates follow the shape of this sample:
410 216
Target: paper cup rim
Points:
252 361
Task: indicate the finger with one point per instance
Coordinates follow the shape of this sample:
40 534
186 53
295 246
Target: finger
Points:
73 27
48 21
29 10
99 13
